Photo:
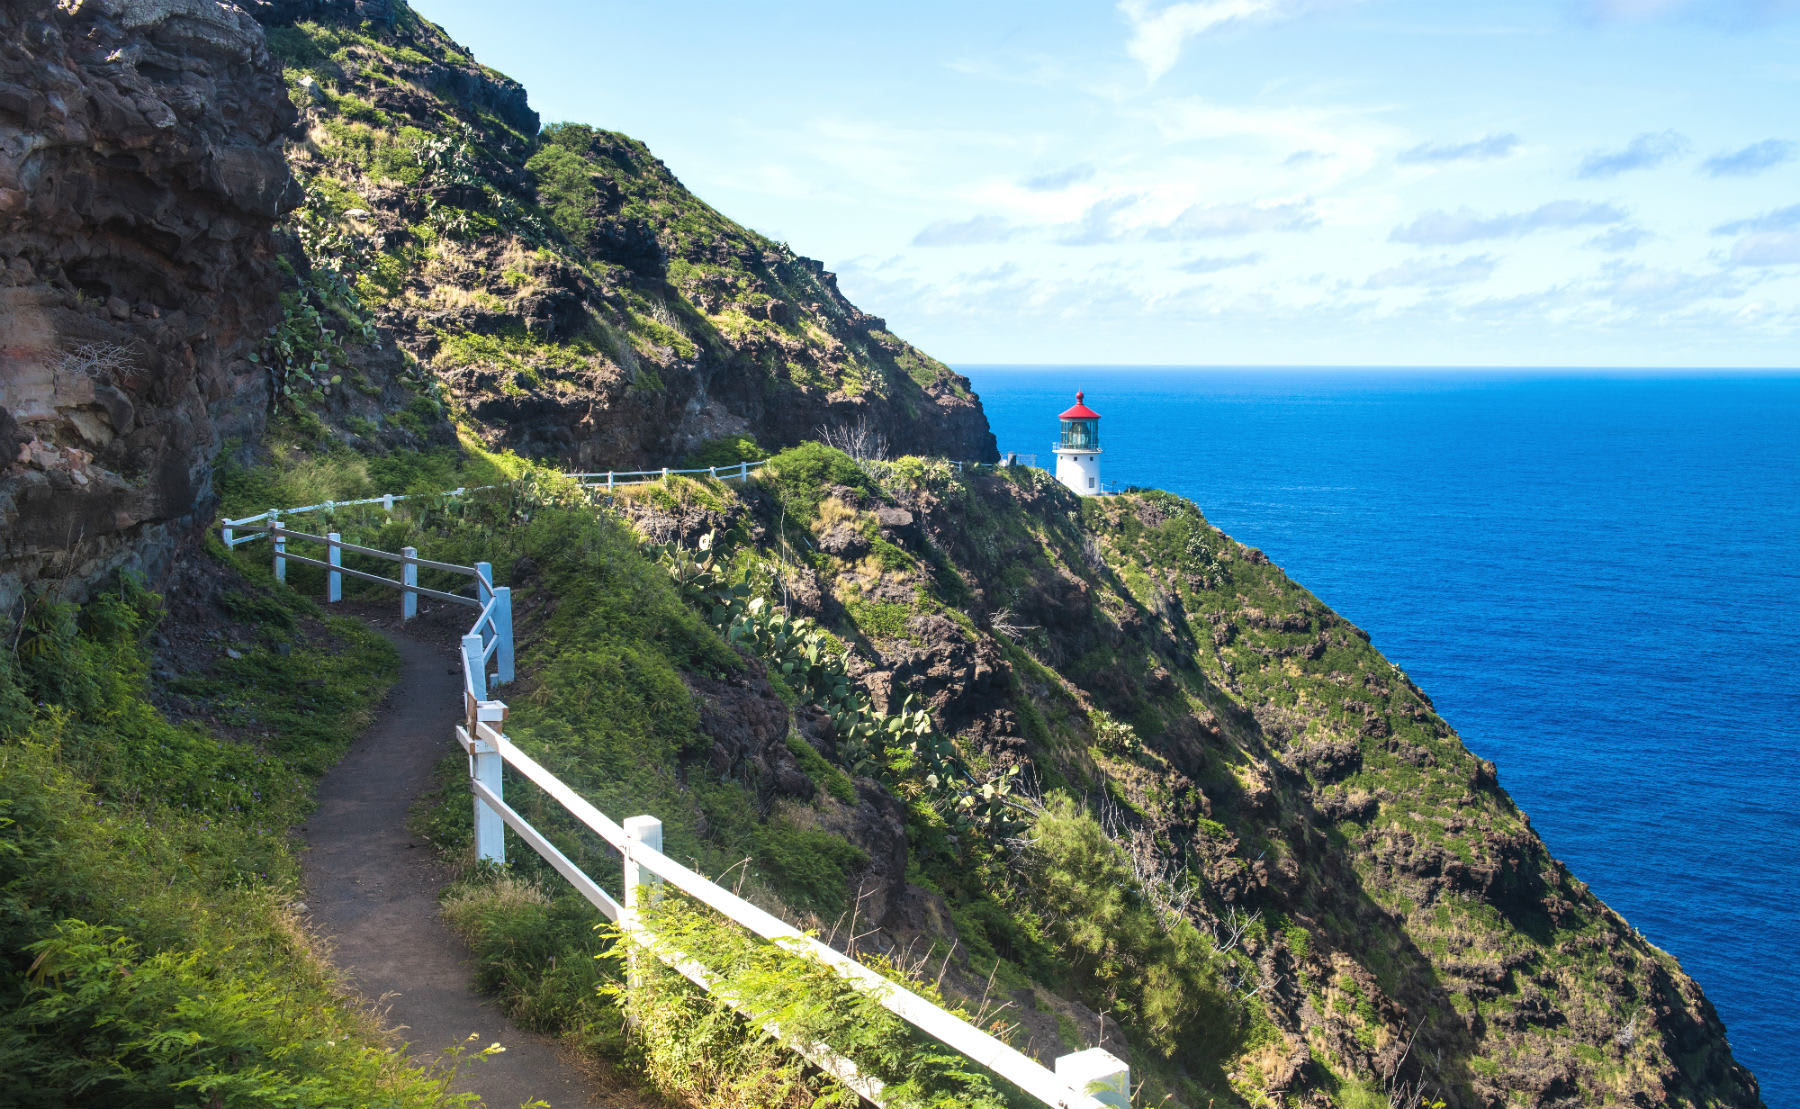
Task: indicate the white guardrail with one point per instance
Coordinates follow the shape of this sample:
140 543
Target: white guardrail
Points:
597 479
1091 1079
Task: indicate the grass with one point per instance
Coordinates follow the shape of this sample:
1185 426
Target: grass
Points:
148 950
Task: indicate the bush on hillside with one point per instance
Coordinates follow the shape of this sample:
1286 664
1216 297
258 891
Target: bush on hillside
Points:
801 476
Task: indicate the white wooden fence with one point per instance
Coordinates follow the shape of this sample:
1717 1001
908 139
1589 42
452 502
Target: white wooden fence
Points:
1091 1079
597 479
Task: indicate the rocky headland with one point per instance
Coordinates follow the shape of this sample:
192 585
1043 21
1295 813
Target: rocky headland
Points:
240 242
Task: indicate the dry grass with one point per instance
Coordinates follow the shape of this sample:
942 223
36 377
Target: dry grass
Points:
504 892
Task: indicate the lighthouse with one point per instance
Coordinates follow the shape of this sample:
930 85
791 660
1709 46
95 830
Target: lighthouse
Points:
1078 449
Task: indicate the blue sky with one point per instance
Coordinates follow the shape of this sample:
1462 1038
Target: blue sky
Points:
1375 182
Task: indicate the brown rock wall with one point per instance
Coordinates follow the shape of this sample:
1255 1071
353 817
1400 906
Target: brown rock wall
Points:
141 170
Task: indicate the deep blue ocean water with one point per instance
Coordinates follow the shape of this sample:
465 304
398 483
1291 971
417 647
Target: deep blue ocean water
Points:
1596 577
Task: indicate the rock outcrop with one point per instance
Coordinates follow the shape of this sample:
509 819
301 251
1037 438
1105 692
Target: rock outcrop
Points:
572 297
141 171
1386 916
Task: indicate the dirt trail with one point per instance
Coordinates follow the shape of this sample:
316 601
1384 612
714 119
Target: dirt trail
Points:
372 887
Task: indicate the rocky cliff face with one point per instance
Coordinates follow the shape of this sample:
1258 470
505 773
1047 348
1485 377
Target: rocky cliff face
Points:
565 293
561 295
1386 924
141 169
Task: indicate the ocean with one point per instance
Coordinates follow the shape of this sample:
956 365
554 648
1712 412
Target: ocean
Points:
1594 574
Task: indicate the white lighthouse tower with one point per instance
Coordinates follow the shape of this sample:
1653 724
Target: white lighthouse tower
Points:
1078 449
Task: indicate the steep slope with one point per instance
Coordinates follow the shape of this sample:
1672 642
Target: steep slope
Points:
1230 839
141 169
1243 746
570 296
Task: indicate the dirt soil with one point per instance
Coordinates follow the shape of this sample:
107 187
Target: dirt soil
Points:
372 888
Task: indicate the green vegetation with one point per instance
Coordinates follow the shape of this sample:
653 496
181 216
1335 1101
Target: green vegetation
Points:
801 477
1222 761
727 451
149 953
1163 980
696 1044
306 351
565 190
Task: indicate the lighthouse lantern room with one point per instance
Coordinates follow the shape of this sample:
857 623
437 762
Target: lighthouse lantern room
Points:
1078 449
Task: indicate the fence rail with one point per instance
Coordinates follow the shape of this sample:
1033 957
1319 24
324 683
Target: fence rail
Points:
1092 1079
587 479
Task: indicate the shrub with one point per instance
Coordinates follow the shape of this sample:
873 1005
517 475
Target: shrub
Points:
1114 736
801 476
1163 984
565 190
727 451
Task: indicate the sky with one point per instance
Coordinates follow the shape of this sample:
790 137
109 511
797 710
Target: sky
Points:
1229 182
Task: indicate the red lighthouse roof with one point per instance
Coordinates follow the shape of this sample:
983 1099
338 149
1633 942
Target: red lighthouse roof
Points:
1080 411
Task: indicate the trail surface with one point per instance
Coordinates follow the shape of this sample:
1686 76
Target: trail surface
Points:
373 889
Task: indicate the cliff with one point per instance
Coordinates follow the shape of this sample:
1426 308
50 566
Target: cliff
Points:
1369 913
572 299
141 171
187 254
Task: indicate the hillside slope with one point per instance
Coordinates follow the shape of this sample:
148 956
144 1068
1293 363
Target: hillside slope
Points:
1224 725
1232 839
571 297
183 255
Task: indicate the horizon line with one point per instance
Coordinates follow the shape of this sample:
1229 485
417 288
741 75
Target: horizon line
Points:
1795 370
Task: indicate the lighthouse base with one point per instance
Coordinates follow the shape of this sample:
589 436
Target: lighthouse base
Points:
1079 470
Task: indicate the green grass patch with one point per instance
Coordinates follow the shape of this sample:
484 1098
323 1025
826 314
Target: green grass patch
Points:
147 956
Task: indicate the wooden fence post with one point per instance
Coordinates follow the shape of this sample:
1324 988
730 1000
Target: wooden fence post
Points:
409 577
1099 1074
646 831
278 539
474 668
503 627
485 766
334 581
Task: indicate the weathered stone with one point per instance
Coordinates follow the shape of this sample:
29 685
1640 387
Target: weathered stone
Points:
141 168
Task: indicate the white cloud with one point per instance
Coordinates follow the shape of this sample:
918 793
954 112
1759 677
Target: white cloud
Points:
1618 240
1483 149
1769 248
1217 221
1755 158
1441 228
1781 219
1634 286
1059 179
973 231
1328 142
1157 35
1645 151
1439 274
1215 263
1097 224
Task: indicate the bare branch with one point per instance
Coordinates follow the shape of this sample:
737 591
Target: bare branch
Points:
860 440
1006 623
99 361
